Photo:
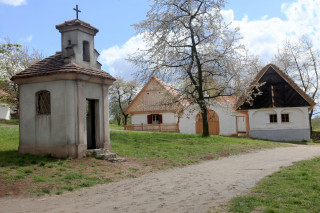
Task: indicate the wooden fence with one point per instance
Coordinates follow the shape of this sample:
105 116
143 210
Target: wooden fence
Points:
171 127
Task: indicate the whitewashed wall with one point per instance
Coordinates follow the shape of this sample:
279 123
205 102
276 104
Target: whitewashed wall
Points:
227 119
187 122
139 119
298 118
61 126
4 111
297 129
142 118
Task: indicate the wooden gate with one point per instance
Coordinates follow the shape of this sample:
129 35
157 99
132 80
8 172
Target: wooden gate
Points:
213 121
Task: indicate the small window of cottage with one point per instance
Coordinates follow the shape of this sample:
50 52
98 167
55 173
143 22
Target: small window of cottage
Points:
43 102
284 118
155 119
273 118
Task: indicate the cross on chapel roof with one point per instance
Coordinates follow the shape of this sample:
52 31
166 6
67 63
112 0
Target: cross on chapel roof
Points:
77 11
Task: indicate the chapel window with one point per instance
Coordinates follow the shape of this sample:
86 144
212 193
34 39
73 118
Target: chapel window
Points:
273 118
284 118
43 102
86 51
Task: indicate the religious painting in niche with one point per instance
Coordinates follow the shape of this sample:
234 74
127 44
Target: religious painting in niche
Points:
86 53
284 118
43 102
273 118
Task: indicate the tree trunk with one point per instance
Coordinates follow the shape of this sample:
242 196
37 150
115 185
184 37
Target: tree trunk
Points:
118 120
310 123
205 132
125 119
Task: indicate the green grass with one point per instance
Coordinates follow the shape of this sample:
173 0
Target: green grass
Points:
315 136
149 151
181 149
10 122
293 189
317 128
41 170
9 138
115 126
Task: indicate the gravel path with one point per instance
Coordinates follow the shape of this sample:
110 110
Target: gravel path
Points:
191 189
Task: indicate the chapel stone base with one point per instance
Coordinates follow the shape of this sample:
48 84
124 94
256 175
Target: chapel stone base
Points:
107 146
74 151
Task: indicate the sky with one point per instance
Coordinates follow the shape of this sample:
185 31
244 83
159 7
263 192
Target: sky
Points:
264 25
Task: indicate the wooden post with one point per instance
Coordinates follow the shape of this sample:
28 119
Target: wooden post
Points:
247 121
141 126
160 127
237 125
247 124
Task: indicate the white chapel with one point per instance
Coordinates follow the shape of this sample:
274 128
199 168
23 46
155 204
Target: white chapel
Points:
64 98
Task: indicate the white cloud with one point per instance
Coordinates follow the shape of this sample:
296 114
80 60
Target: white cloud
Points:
27 39
227 15
262 36
115 57
14 2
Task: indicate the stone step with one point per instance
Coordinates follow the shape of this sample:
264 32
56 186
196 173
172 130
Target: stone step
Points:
104 154
95 152
117 160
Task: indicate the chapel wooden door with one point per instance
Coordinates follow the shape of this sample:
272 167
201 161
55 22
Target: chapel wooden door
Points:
213 121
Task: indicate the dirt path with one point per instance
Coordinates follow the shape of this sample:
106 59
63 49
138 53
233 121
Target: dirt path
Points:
191 189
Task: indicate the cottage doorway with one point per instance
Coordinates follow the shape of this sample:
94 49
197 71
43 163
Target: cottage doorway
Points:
92 118
241 124
213 121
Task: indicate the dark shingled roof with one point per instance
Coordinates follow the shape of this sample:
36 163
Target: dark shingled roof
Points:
55 65
285 77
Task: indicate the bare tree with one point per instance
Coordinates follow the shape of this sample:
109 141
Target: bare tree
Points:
14 58
188 42
300 60
115 112
121 95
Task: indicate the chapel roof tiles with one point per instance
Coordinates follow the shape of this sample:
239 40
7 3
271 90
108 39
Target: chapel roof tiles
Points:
55 65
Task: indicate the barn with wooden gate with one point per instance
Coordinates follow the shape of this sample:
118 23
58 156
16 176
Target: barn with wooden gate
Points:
213 123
